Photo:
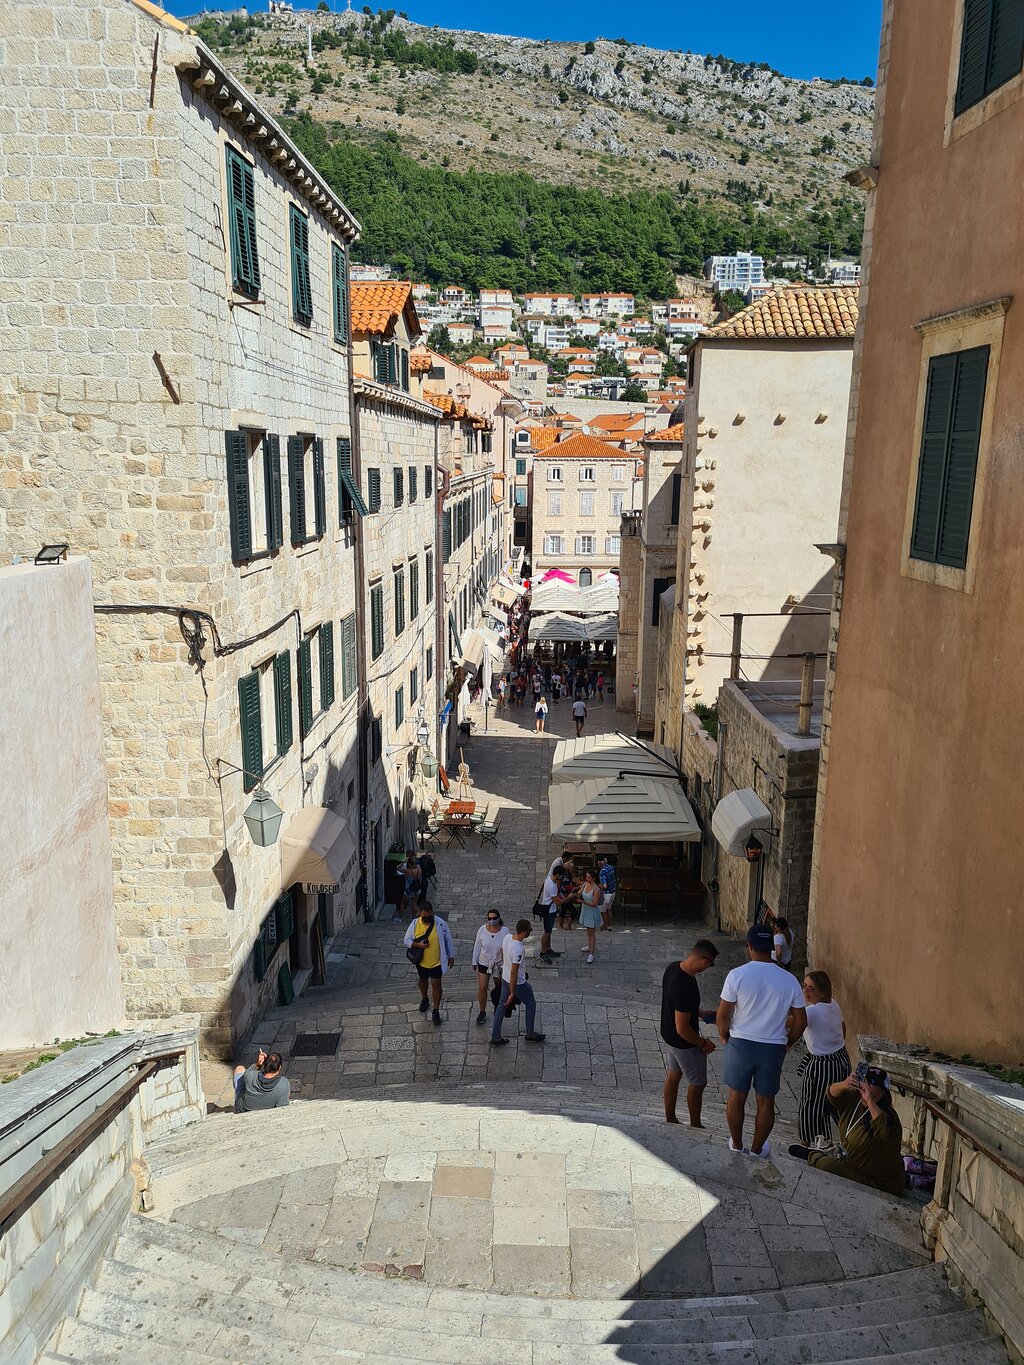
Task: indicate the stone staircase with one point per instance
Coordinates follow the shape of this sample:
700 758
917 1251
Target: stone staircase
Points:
256 1253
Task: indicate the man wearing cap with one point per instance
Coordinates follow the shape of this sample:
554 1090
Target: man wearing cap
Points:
760 1014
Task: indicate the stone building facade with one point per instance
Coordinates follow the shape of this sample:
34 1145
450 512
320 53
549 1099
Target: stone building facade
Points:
581 487
175 385
397 437
761 479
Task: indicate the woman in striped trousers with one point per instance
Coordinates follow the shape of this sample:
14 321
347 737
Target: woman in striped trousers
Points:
827 1059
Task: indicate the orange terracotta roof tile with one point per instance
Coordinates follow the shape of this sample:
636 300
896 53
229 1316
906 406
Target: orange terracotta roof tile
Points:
793 313
580 447
617 421
419 362
675 433
542 438
376 303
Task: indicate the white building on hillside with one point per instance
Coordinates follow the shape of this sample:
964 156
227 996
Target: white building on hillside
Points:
735 272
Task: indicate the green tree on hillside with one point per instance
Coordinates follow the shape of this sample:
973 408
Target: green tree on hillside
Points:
440 339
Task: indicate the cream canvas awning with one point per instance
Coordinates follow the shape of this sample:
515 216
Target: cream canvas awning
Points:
596 756
502 593
622 810
602 627
603 599
554 626
316 848
474 644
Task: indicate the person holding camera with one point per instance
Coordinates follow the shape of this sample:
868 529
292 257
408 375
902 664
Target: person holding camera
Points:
261 1086
870 1133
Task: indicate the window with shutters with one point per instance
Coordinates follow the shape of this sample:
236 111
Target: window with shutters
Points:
991 50
399 482
350 500
617 500
554 504
414 589
307 489
376 739
325 640
251 729
349 674
386 361
554 545
399 708
414 686
373 490
376 620
428 577
612 545
677 485
428 480
586 504
339 294
404 368
585 545
587 474
520 468
253 475
413 484
555 474
245 259
302 292
618 473
446 535
399 587
430 662
520 497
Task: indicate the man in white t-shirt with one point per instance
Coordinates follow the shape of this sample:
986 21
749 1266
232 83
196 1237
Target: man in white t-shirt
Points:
515 987
579 714
760 1014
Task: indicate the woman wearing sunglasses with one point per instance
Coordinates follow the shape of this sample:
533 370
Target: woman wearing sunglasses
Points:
487 958
870 1134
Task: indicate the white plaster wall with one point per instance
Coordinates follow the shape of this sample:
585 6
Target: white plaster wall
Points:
776 494
59 974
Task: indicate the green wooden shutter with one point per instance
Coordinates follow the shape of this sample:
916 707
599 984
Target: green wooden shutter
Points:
412 484
380 362
326 665
284 913
376 739
373 489
405 369
272 491
339 283
399 577
428 481
283 701
414 589
236 444
252 731
305 687
677 484
259 955
245 261
319 487
302 294
954 405
399 487
428 577
1006 49
393 363
297 488
446 535
377 620
349 676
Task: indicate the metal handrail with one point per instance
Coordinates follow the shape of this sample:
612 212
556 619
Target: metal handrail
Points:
979 1145
23 1191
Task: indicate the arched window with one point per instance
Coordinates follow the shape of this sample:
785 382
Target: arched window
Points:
586 578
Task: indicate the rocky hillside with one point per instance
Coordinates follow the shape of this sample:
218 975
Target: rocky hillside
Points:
605 114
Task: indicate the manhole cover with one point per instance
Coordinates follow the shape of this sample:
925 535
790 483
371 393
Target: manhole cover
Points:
315 1044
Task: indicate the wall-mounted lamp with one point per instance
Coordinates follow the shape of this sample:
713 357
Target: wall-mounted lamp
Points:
753 849
263 818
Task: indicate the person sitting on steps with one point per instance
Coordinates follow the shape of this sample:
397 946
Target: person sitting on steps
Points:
261 1086
870 1133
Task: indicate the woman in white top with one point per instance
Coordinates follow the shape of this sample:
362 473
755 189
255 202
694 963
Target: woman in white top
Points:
487 958
541 712
827 1061
783 950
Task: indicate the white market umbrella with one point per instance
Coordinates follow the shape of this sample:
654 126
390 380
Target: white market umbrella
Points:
622 810
597 756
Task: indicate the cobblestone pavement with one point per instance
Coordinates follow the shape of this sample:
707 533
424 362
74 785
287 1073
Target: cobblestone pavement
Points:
421 1151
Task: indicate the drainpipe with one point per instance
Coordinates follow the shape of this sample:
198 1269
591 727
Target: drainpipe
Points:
440 619
362 684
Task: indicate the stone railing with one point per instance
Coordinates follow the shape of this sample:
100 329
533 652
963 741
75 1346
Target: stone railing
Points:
73 1135
632 523
972 1125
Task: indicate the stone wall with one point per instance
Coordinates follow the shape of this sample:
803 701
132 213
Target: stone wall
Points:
57 1237
631 596
55 874
659 537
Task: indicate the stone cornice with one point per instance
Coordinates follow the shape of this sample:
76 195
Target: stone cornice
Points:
383 393
963 317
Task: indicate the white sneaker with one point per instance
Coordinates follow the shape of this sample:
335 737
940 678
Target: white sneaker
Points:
734 1148
763 1154
590 958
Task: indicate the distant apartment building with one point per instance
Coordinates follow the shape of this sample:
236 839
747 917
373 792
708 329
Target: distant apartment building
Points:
359 272
735 272
765 420
844 272
587 327
580 490
177 406
608 305
552 305
461 332
454 296
496 312
922 752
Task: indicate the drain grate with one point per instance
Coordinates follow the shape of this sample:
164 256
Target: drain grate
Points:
315 1044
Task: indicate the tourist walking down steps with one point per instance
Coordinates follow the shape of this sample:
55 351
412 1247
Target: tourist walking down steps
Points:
431 949
515 987
490 939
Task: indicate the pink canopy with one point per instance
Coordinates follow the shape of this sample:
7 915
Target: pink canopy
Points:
560 574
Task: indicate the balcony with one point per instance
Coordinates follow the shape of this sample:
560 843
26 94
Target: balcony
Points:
632 524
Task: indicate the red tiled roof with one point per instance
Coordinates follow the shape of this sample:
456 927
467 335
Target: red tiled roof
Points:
376 303
580 447
796 312
675 433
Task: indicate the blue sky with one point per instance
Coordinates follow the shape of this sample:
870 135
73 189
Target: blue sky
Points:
794 36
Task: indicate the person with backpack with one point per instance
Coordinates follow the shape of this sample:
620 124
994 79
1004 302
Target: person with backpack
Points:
430 948
428 874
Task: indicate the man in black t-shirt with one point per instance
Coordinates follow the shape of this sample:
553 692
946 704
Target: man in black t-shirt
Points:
686 1052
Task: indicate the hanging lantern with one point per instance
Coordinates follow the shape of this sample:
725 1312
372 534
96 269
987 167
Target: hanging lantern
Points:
263 819
753 849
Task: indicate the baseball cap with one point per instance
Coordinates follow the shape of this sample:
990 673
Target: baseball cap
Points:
761 938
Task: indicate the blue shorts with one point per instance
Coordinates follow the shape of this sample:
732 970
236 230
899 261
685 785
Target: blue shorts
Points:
550 915
754 1065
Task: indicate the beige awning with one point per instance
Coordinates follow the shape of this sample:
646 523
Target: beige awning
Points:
595 756
316 848
505 595
622 810
554 626
473 644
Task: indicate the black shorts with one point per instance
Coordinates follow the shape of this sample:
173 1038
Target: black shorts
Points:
429 973
484 971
